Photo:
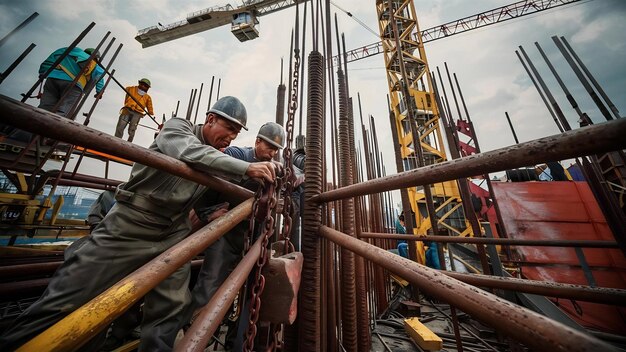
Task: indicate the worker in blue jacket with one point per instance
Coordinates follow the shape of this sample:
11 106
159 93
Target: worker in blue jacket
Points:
61 77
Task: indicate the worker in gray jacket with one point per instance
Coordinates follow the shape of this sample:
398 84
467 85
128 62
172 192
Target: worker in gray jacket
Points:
223 255
150 216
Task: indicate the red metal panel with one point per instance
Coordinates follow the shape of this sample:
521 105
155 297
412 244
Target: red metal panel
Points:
564 210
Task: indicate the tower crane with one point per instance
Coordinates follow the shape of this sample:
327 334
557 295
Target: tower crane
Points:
243 20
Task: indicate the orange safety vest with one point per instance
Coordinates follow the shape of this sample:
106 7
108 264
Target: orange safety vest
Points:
145 100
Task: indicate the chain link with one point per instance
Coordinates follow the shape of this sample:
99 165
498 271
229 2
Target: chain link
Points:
263 206
264 203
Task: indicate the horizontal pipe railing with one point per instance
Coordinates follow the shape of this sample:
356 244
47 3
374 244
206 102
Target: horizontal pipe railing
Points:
210 318
605 295
50 125
534 330
81 325
496 241
20 271
588 140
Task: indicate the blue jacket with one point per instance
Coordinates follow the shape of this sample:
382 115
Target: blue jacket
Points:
72 64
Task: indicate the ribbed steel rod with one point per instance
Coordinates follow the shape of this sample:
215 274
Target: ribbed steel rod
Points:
604 295
594 139
53 126
536 331
497 241
85 322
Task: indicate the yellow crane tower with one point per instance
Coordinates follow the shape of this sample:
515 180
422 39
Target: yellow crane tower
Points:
413 101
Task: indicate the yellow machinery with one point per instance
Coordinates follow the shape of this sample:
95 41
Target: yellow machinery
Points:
421 98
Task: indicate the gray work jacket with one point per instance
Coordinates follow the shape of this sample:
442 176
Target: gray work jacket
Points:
159 192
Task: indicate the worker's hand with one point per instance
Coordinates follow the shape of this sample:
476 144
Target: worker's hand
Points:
299 180
220 210
279 168
262 171
196 223
98 95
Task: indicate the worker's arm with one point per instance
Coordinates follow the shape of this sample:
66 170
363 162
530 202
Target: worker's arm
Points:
149 105
177 139
98 72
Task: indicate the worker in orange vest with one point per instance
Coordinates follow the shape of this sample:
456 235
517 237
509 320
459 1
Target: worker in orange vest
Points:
134 109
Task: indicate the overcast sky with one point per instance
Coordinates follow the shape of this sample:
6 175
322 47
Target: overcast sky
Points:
492 79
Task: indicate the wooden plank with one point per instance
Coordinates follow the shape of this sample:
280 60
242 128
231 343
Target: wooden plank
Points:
422 335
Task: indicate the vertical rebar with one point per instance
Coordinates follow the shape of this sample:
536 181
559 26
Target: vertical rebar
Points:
20 26
15 63
583 80
210 94
195 118
562 121
309 302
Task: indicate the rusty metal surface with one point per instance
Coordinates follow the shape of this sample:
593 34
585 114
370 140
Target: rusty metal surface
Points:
85 322
348 283
497 241
565 211
309 301
53 126
21 270
551 289
21 288
532 329
598 138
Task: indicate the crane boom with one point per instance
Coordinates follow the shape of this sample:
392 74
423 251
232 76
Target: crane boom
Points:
479 20
206 19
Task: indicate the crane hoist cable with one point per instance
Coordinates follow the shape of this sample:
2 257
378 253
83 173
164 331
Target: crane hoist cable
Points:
356 19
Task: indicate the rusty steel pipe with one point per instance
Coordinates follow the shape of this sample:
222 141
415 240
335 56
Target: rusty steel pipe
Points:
536 331
74 183
86 178
21 289
605 295
20 270
46 268
84 323
594 139
53 126
210 318
496 241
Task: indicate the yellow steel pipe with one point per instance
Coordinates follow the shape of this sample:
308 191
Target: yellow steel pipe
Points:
84 323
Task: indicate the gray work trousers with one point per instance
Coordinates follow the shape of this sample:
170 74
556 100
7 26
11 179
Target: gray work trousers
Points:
124 241
128 118
53 91
220 259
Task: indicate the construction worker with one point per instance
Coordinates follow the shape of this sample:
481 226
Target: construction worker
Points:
223 255
134 109
59 81
150 216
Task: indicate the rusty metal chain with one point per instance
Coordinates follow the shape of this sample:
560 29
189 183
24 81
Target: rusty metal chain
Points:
289 178
264 204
